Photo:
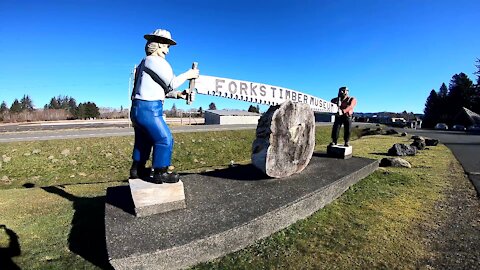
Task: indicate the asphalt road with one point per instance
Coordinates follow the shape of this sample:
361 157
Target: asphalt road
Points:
82 124
41 135
465 146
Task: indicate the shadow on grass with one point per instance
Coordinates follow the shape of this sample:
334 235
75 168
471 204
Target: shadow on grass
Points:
380 154
121 197
13 250
87 236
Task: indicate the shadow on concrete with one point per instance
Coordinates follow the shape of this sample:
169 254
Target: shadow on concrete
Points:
87 235
121 197
238 172
324 155
320 154
13 250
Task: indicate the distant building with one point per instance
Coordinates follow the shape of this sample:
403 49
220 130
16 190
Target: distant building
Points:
230 117
324 117
403 119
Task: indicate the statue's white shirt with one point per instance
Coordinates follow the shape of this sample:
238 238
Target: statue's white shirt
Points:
147 88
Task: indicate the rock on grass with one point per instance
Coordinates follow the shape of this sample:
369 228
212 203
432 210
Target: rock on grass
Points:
431 142
395 162
419 143
400 149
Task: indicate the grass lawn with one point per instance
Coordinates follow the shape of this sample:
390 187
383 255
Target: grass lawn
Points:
57 223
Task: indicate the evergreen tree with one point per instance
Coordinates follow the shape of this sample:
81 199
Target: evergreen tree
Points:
91 110
72 106
80 113
16 107
443 91
26 103
173 110
3 107
478 71
212 106
255 109
442 112
65 103
54 104
87 110
431 110
460 93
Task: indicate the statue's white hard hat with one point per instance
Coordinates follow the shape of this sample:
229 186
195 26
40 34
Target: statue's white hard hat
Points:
160 36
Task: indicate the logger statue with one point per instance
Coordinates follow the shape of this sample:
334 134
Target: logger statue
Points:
155 81
345 104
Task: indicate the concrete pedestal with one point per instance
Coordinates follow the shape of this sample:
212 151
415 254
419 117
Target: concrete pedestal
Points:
339 151
150 198
228 209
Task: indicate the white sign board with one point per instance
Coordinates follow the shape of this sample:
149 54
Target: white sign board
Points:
258 93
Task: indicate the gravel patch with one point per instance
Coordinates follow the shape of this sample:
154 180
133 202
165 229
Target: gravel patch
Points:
454 237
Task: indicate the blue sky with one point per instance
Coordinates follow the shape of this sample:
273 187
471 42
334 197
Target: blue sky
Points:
390 54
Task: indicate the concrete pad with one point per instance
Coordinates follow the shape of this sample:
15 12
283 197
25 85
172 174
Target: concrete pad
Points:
150 198
339 151
227 210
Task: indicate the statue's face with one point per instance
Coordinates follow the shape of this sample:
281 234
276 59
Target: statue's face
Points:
343 92
163 50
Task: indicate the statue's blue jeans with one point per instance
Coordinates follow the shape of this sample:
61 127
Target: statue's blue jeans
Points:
151 131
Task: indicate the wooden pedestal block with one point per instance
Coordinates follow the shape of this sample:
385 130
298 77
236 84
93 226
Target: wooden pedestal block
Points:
339 151
150 198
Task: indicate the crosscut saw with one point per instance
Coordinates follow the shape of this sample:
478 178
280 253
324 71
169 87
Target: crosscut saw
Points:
255 92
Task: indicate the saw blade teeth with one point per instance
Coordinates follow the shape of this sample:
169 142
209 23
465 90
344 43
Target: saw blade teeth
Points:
258 93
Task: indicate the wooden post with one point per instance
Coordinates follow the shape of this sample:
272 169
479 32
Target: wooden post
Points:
191 85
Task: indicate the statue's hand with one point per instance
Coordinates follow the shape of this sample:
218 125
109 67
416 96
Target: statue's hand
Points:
192 74
184 95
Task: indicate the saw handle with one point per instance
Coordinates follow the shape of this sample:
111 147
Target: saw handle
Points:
191 85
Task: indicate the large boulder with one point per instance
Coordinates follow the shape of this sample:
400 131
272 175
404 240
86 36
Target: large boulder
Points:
419 143
394 162
391 132
285 139
369 131
431 142
400 149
